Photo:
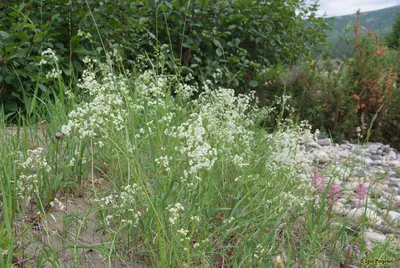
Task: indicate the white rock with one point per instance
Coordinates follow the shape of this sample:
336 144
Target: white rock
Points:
343 154
386 148
395 180
321 157
393 217
339 209
374 238
376 190
345 146
390 190
358 150
325 142
373 148
315 145
394 163
391 155
369 162
336 157
356 215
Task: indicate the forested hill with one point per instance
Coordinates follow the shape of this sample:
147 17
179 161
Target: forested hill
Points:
379 21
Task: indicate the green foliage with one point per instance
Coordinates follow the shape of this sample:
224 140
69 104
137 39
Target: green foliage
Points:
207 36
339 96
237 37
339 37
393 39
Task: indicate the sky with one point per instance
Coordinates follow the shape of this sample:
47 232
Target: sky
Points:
344 7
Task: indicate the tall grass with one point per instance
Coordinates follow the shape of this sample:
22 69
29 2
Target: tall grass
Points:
132 168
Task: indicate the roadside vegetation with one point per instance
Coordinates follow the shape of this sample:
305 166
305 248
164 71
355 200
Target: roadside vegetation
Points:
128 141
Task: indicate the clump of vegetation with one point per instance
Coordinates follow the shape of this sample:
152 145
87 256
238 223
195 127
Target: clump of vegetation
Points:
339 96
140 153
203 37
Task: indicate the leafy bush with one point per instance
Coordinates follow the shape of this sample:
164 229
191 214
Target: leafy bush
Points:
237 37
393 38
362 92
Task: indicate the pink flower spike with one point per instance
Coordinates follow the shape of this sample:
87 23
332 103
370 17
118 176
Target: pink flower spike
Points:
334 192
317 181
361 191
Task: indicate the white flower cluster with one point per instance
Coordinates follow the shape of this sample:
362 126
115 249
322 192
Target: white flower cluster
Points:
219 128
28 182
27 185
48 56
175 212
150 92
259 252
287 148
164 162
123 207
193 144
185 91
84 34
54 73
106 109
57 204
35 160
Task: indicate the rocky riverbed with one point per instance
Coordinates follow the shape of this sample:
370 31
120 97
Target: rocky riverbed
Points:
374 170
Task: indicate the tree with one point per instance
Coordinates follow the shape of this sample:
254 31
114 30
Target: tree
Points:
393 39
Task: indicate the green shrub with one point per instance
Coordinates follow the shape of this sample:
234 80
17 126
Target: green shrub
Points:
237 38
341 96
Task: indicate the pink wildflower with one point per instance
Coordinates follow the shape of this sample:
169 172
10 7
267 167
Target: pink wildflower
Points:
361 190
352 250
317 181
334 192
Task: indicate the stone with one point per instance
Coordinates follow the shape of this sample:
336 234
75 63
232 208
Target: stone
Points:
386 148
361 172
393 218
376 190
379 151
385 229
345 146
375 157
390 190
339 209
359 203
358 150
369 162
383 202
324 142
373 148
356 214
393 184
313 144
394 163
321 157
394 179
391 155
374 238
343 154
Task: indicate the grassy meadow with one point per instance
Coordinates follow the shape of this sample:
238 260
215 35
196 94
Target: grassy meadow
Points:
135 172
131 164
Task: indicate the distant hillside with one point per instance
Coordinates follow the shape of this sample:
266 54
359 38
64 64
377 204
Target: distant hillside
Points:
379 21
